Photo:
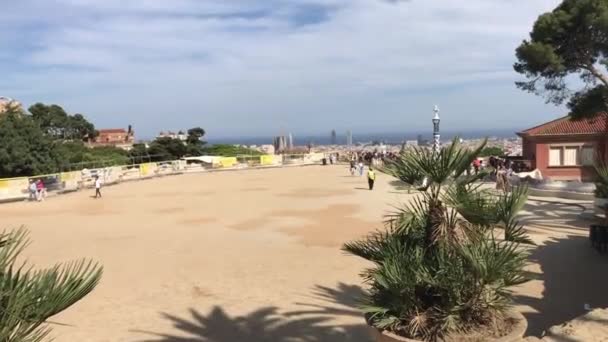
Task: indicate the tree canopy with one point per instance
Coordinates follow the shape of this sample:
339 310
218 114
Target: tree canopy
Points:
58 124
572 40
492 151
24 148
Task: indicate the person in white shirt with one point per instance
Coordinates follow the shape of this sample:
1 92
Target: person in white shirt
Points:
97 187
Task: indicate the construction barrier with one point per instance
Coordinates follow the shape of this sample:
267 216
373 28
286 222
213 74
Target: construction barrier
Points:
270 160
228 162
71 181
17 188
147 169
14 188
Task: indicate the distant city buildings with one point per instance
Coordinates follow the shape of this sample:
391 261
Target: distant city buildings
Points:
117 137
421 141
7 103
290 141
334 137
280 144
349 138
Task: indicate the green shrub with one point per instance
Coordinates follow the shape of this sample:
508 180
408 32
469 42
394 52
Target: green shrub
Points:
439 267
601 183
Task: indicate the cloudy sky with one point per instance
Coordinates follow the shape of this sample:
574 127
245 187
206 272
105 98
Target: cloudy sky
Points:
256 67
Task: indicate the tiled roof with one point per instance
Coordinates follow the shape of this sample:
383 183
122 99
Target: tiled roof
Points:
568 126
113 130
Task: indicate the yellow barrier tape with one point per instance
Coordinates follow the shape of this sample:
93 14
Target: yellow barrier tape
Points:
267 160
228 162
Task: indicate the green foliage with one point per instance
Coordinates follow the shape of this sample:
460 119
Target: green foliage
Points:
493 151
29 297
229 151
58 124
167 148
72 155
195 135
24 148
438 266
570 40
601 183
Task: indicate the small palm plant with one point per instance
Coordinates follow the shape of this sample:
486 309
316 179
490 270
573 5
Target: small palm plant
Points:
29 297
601 183
439 267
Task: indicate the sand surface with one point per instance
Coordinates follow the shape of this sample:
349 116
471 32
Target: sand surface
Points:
254 255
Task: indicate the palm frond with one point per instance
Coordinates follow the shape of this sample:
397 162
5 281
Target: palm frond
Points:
28 298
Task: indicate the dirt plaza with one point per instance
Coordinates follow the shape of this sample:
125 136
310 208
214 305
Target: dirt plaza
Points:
254 255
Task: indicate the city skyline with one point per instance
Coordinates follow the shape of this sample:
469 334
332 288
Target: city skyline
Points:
251 67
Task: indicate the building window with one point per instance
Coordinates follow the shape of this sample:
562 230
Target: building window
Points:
555 156
571 155
587 156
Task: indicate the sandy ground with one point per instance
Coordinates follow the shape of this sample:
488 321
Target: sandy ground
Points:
255 256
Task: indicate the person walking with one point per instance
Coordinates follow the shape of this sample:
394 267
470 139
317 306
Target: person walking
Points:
33 190
97 187
360 168
371 178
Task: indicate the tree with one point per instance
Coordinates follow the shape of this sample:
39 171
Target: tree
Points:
439 267
59 125
139 153
195 135
28 298
493 151
572 40
167 148
24 149
225 150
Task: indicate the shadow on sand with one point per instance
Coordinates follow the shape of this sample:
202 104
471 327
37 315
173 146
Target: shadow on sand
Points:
573 273
311 324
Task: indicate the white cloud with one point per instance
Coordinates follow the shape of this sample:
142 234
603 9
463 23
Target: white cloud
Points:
244 66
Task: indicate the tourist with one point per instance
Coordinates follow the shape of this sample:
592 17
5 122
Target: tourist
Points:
352 167
97 187
40 190
476 165
371 178
501 177
361 169
33 190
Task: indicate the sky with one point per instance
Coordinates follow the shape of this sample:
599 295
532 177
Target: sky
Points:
262 67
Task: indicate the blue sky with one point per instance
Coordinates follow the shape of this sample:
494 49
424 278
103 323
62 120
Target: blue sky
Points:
257 67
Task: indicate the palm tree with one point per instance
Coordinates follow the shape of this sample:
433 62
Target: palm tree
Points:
29 297
439 267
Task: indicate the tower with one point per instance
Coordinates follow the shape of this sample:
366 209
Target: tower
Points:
333 137
436 134
349 138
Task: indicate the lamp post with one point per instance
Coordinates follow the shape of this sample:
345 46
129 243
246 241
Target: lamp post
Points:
436 135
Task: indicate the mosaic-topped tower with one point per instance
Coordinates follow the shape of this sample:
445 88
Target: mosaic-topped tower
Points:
436 135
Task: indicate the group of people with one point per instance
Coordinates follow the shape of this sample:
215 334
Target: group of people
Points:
37 190
359 167
502 170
